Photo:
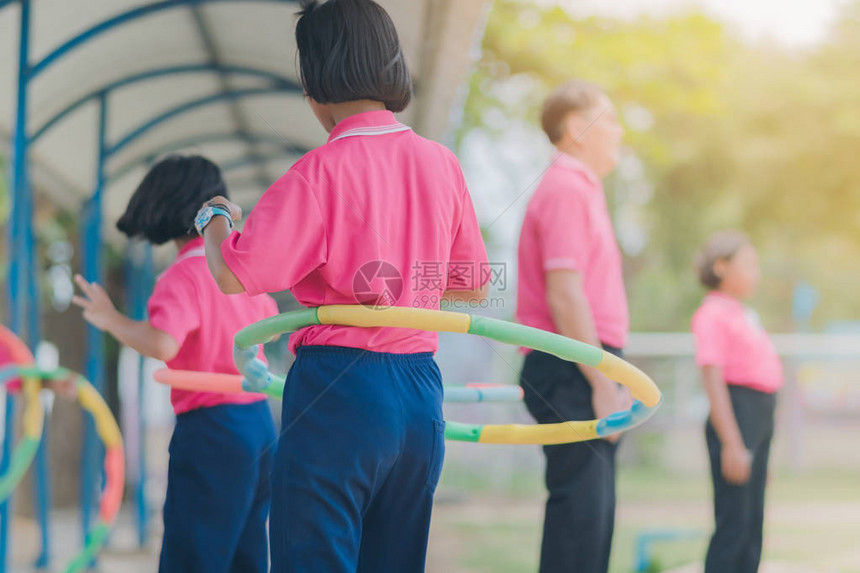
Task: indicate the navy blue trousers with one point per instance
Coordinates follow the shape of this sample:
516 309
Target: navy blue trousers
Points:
580 477
358 459
218 490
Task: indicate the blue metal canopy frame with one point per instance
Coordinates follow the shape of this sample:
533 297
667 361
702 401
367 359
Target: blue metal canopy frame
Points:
217 137
22 285
191 105
276 80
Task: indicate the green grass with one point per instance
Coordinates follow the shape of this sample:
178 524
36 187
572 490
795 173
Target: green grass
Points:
518 539
513 548
813 519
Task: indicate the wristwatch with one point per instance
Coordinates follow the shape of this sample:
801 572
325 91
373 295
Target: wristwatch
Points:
204 216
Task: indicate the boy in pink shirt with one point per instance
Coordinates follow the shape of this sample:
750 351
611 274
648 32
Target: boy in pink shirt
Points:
363 440
570 282
220 453
742 374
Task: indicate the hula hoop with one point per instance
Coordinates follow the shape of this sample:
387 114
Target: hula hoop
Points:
106 427
33 417
647 395
114 468
233 384
114 461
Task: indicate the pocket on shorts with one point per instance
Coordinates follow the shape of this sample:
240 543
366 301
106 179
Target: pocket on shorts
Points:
437 455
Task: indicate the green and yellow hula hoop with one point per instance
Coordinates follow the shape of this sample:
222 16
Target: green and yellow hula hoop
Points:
647 395
106 427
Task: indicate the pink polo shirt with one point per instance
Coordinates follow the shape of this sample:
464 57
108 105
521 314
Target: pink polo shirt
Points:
567 227
376 214
187 304
729 334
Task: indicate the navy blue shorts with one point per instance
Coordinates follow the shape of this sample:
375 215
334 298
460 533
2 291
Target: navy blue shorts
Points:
359 455
218 490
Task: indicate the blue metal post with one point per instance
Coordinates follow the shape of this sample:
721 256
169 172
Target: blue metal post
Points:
43 497
19 229
93 270
42 468
9 421
138 280
146 282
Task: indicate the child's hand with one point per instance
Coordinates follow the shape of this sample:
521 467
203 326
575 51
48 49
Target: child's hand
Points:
736 463
235 210
66 387
98 308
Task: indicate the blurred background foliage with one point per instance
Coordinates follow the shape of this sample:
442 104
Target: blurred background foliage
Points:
720 132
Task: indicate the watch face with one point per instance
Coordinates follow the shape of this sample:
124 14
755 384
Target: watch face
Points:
203 218
206 214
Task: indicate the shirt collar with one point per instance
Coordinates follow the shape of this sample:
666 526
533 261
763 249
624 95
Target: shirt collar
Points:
367 123
718 295
571 163
195 243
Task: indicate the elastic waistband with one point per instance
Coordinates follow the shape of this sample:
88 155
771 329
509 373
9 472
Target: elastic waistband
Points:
363 354
743 389
213 409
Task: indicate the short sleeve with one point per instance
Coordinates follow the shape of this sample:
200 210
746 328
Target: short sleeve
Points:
564 231
711 338
468 268
170 308
283 241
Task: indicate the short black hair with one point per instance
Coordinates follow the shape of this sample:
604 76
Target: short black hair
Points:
165 203
349 50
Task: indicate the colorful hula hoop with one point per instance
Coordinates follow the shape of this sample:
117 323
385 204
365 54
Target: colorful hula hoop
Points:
233 384
106 427
33 417
114 467
647 395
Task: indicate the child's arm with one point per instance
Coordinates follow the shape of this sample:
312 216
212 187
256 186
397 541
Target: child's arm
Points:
215 233
735 457
572 316
137 334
